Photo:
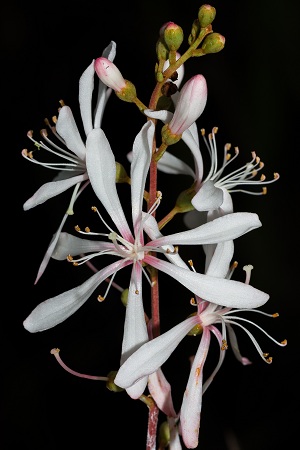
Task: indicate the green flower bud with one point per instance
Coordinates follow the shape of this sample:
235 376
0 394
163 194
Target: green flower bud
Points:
110 382
161 50
169 138
183 202
124 296
127 93
213 43
173 35
194 32
206 15
121 174
164 435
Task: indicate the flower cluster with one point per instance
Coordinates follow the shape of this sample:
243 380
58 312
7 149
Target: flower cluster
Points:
209 221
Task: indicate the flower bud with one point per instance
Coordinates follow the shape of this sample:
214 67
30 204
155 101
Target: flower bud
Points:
110 384
190 105
172 34
206 15
110 75
213 43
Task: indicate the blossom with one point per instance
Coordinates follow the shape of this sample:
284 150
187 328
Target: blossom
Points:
130 248
70 149
152 355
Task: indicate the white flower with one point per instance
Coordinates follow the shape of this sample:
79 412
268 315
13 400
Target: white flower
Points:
130 249
70 148
149 358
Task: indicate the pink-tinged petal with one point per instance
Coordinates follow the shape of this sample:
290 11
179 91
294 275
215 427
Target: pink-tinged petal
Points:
150 357
55 310
190 106
66 127
160 390
233 294
101 167
86 87
192 400
169 163
67 244
208 197
135 328
141 157
50 249
230 226
109 74
217 265
52 189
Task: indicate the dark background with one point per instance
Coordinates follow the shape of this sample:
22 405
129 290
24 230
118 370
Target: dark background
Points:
253 90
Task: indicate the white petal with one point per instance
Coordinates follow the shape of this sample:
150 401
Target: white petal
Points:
101 167
135 328
86 87
66 127
169 163
148 358
230 226
234 294
141 157
190 140
208 197
163 115
68 244
218 264
55 310
50 249
52 189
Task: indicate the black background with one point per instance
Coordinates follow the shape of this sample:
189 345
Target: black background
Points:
253 91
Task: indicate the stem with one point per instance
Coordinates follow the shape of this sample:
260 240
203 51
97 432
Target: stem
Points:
152 421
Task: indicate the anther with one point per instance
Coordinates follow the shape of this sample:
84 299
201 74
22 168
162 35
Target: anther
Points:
224 345
77 228
94 209
264 190
137 292
227 147
193 301
275 315
43 133
100 298
263 177
61 102
70 258
87 230
54 351
203 131
276 176
215 130
284 342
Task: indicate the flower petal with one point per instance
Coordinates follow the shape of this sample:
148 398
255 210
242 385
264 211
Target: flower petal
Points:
55 310
101 167
52 189
86 87
150 356
192 400
208 197
141 157
68 244
160 390
234 294
169 163
230 226
66 127
217 264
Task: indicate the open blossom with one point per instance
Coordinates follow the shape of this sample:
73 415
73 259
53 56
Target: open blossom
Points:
69 148
152 355
130 248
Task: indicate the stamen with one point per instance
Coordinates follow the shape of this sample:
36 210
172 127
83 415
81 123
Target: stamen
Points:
224 345
55 352
248 270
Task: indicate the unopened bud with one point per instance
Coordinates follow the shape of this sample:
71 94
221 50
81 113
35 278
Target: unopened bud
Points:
172 34
213 43
110 75
190 105
161 50
206 15
110 384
